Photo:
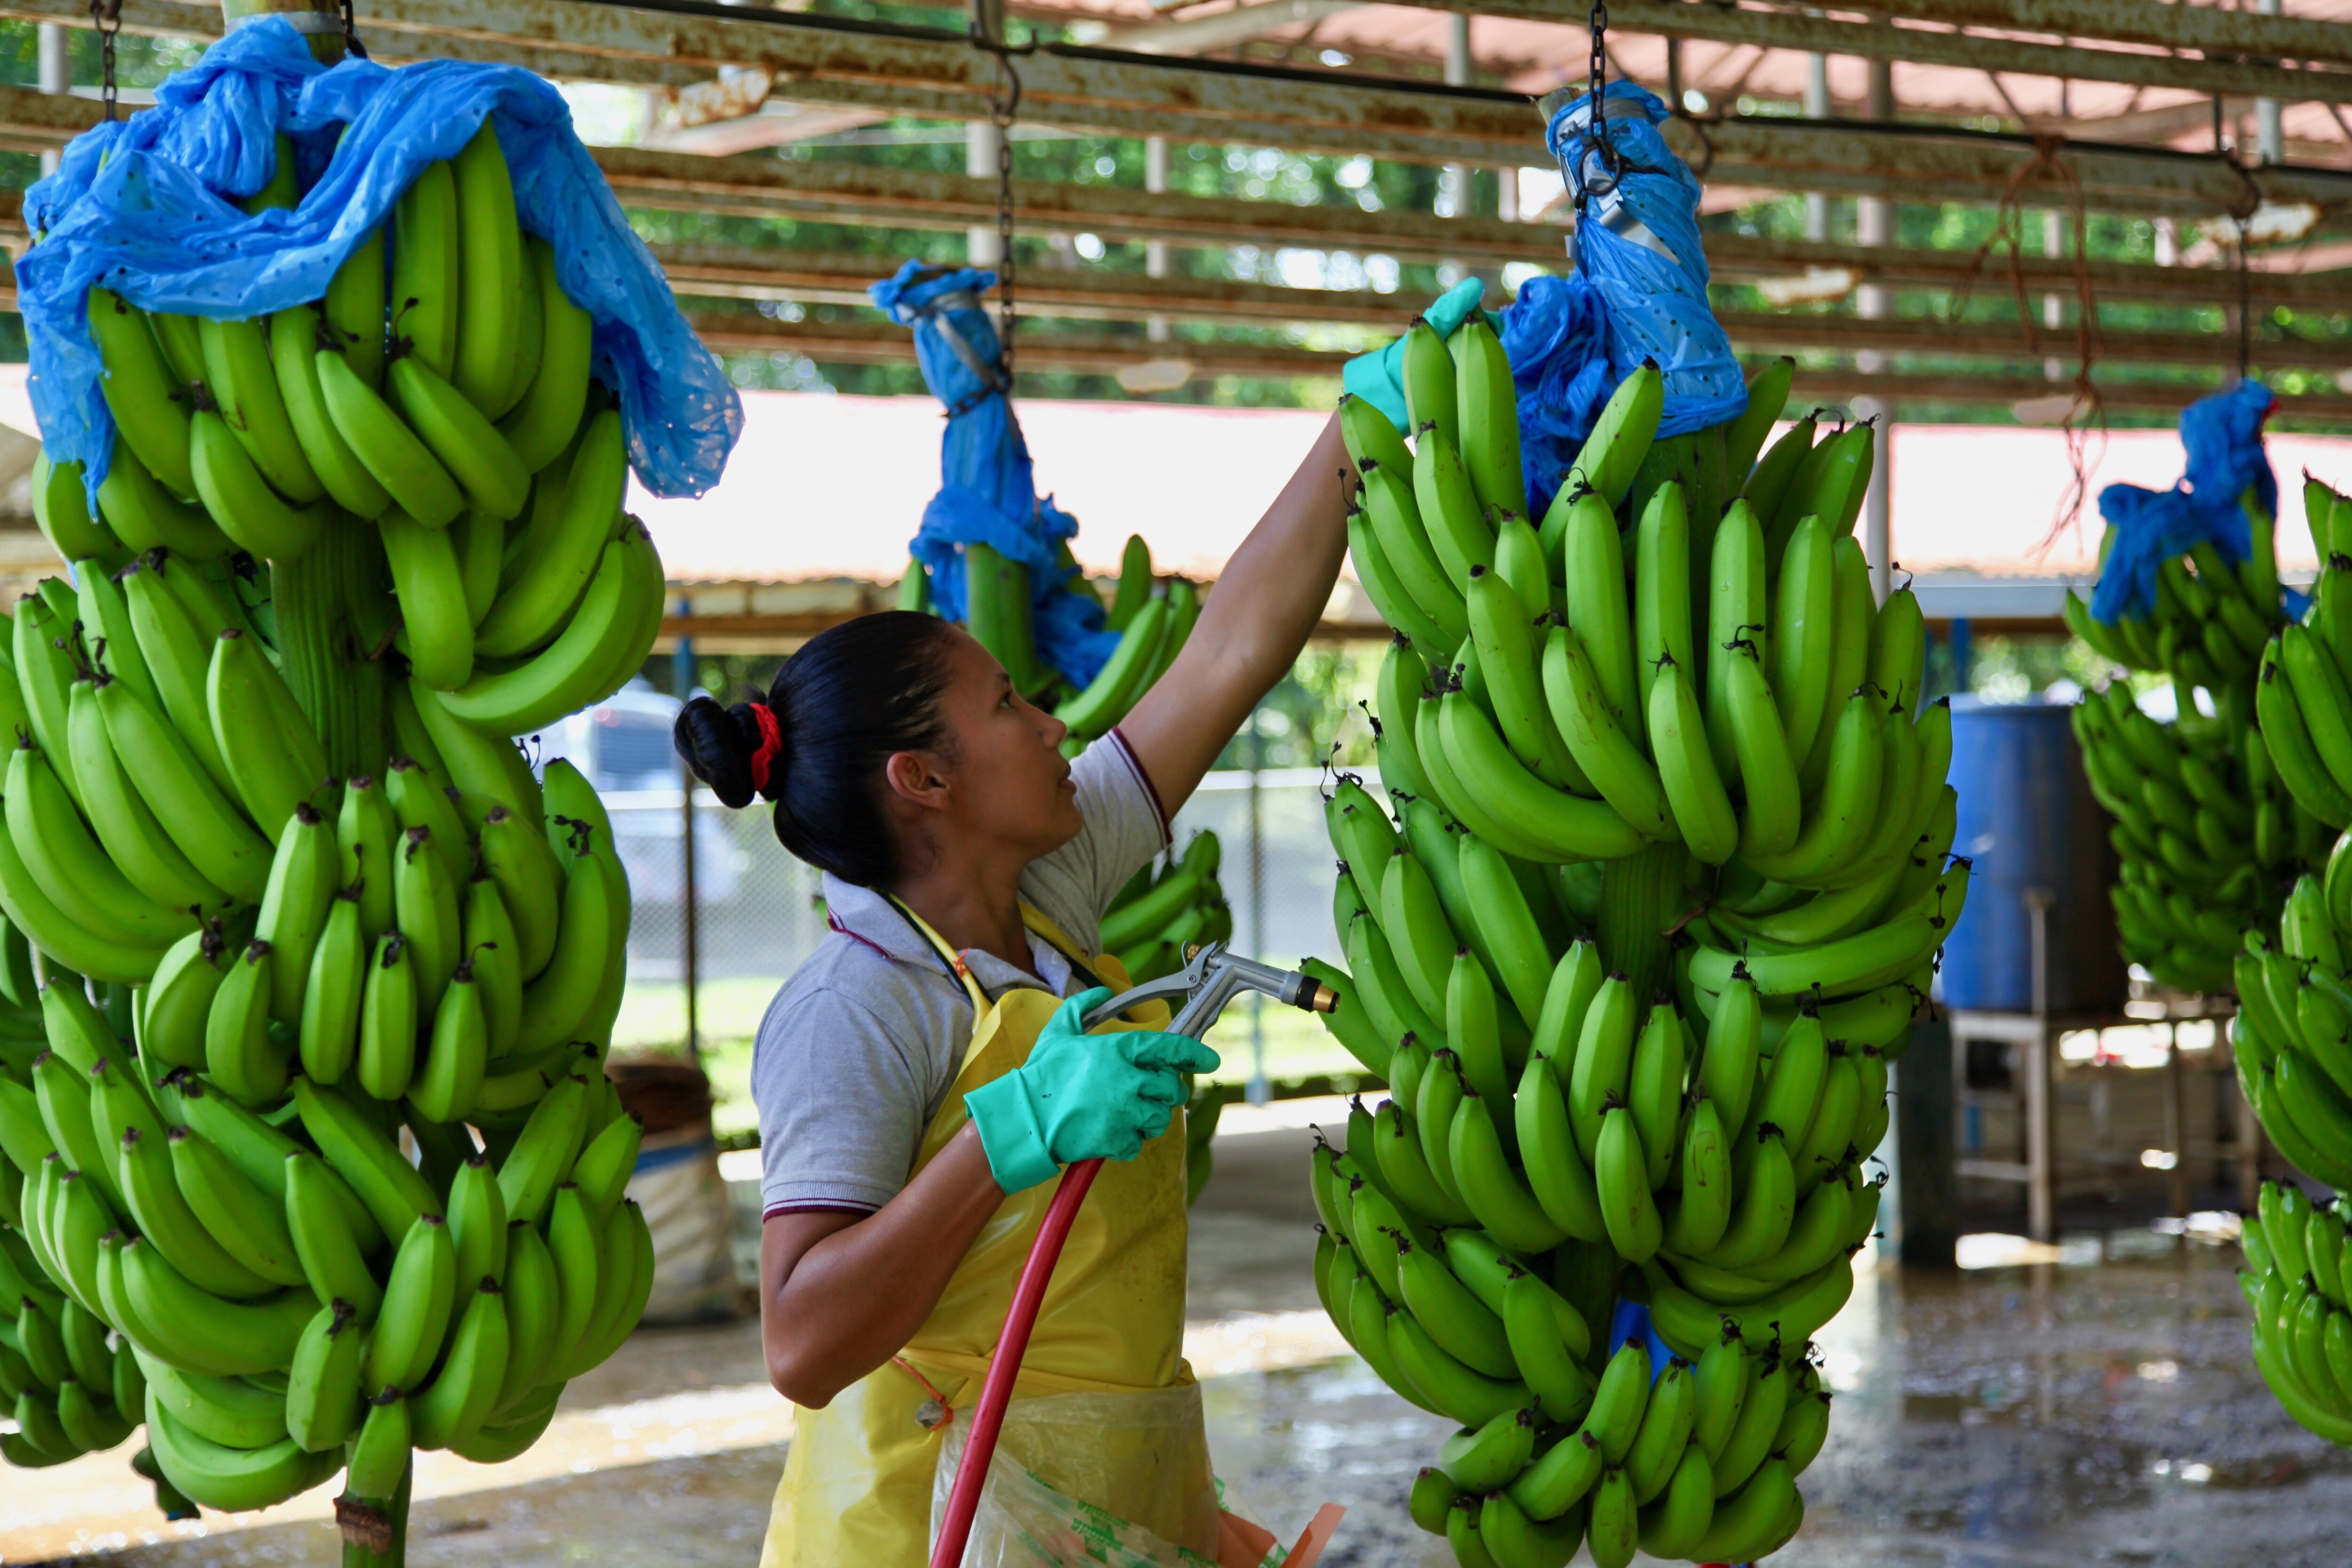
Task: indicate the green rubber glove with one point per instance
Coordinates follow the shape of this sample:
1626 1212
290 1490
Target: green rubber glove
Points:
1379 377
1081 1096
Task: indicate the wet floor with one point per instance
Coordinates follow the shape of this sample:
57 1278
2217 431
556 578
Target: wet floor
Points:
2101 1409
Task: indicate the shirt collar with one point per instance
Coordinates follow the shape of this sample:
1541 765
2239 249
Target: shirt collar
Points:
864 915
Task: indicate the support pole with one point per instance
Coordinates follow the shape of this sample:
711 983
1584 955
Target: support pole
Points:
1155 252
1817 107
2269 122
982 144
1875 225
682 678
1260 1089
1454 183
56 49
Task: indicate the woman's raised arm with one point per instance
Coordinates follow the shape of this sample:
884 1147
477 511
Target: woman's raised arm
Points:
1265 607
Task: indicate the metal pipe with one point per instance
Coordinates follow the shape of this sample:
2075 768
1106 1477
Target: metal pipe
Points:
56 58
682 673
1817 107
2269 122
1453 181
1155 252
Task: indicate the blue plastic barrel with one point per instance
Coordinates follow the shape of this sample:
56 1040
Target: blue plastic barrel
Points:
2029 824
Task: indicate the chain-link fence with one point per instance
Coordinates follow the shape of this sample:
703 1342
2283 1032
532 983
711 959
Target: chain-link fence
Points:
756 916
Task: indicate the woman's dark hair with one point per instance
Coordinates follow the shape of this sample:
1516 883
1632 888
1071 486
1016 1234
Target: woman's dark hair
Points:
853 695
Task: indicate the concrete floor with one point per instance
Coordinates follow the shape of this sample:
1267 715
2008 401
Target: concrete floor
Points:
2100 1409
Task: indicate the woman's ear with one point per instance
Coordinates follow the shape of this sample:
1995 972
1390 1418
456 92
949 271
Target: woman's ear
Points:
916 778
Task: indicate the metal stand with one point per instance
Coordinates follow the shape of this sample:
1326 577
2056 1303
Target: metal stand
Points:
2033 1038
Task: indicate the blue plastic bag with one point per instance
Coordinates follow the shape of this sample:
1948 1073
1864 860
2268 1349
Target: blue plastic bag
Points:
2223 436
988 491
146 207
1639 292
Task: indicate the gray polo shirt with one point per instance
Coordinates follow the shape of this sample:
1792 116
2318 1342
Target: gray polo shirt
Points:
859 1049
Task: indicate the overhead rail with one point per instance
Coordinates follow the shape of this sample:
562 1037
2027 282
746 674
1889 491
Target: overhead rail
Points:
1099 352
935 73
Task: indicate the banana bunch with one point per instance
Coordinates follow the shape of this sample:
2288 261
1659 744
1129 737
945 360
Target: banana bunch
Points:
445 400
2203 833
2296 1282
294 897
1663 885
2210 621
1153 618
1167 909
224 1189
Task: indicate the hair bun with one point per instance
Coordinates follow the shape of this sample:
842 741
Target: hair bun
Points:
718 745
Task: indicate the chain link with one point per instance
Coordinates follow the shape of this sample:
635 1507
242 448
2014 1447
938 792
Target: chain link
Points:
106 15
352 43
1003 107
1597 83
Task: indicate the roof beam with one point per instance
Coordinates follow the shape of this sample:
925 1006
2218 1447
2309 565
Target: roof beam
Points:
1257 307
1223 30
1815 34
866 195
1106 353
935 74
2209 29
862 194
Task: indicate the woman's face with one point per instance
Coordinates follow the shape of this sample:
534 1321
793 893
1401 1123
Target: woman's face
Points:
1008 783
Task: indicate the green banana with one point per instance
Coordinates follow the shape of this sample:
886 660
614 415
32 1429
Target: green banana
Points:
209 829
152 1188
451 1080
240 1056
1500 628
1490 1189
248 1224
71 868
133 838
1620 436
1556 1174
394 1194
543 1151
438 623
200 1332
145 516
547 415
415 1315
150 411
251 513
386 448
550 578
1460 533
1482 1458
464 1392
241 380
1557 826
323 1401
232 1479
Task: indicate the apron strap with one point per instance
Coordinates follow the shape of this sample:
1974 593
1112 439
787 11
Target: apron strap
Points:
1032 920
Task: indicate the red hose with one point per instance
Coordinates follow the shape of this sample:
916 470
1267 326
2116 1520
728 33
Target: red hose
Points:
1004 1367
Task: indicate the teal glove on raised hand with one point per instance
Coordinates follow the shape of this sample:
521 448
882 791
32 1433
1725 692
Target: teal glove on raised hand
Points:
1081 1096
1379 377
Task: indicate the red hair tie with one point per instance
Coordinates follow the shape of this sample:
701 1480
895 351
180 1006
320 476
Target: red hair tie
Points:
772 745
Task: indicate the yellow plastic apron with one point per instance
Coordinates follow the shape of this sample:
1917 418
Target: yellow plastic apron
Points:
856 1489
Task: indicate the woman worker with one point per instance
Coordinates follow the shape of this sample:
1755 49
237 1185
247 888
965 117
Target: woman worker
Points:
923 1076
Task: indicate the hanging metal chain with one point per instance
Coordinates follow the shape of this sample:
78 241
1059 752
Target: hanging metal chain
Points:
352 43
1003 107
106 15
2242 217
1597 80
2246 308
